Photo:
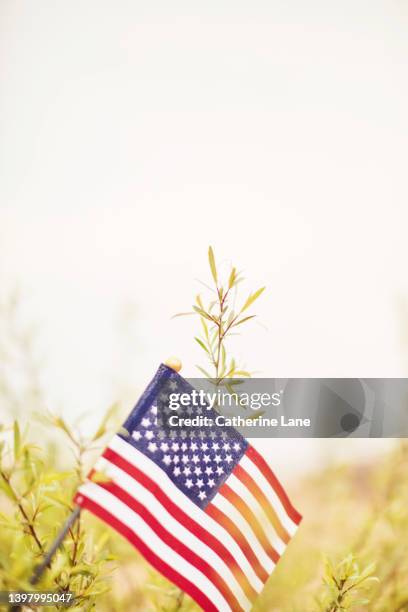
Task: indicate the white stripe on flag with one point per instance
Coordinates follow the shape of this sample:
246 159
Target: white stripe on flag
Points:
240 489
143 463
145 497
250 467
134 522
230 510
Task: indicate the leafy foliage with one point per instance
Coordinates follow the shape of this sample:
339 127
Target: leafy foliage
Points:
37 498
344 582
219 317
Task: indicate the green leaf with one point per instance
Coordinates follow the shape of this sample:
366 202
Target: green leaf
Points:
84 570
54 476
214 336
255 415
230 318
182 314
232 278
231 369
205 328
232 382
59 500
6 488
17 439
61 424
211 305
223 357
201 343
206 374
204 314
243 320
103 425
252 298
368 570
371 579
213 267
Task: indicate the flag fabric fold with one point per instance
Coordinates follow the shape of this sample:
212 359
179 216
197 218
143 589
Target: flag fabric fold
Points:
203 508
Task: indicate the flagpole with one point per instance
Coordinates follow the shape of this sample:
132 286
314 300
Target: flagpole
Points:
175 364
40 569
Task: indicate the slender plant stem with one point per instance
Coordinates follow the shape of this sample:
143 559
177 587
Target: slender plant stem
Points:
24 514
179 601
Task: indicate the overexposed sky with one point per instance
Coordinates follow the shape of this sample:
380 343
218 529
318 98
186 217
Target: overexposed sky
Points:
134 134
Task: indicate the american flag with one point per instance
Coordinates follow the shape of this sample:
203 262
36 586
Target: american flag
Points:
203 507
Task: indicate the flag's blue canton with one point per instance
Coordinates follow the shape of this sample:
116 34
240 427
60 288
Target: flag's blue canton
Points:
199 460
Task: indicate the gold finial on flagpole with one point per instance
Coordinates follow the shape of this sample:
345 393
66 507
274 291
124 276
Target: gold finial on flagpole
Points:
174 363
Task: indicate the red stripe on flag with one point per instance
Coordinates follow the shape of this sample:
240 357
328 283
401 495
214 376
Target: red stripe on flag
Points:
148 554
256 491
261 464
183 518
225 522
173 542
250 518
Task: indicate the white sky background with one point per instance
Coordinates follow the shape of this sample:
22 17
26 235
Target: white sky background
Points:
134 134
